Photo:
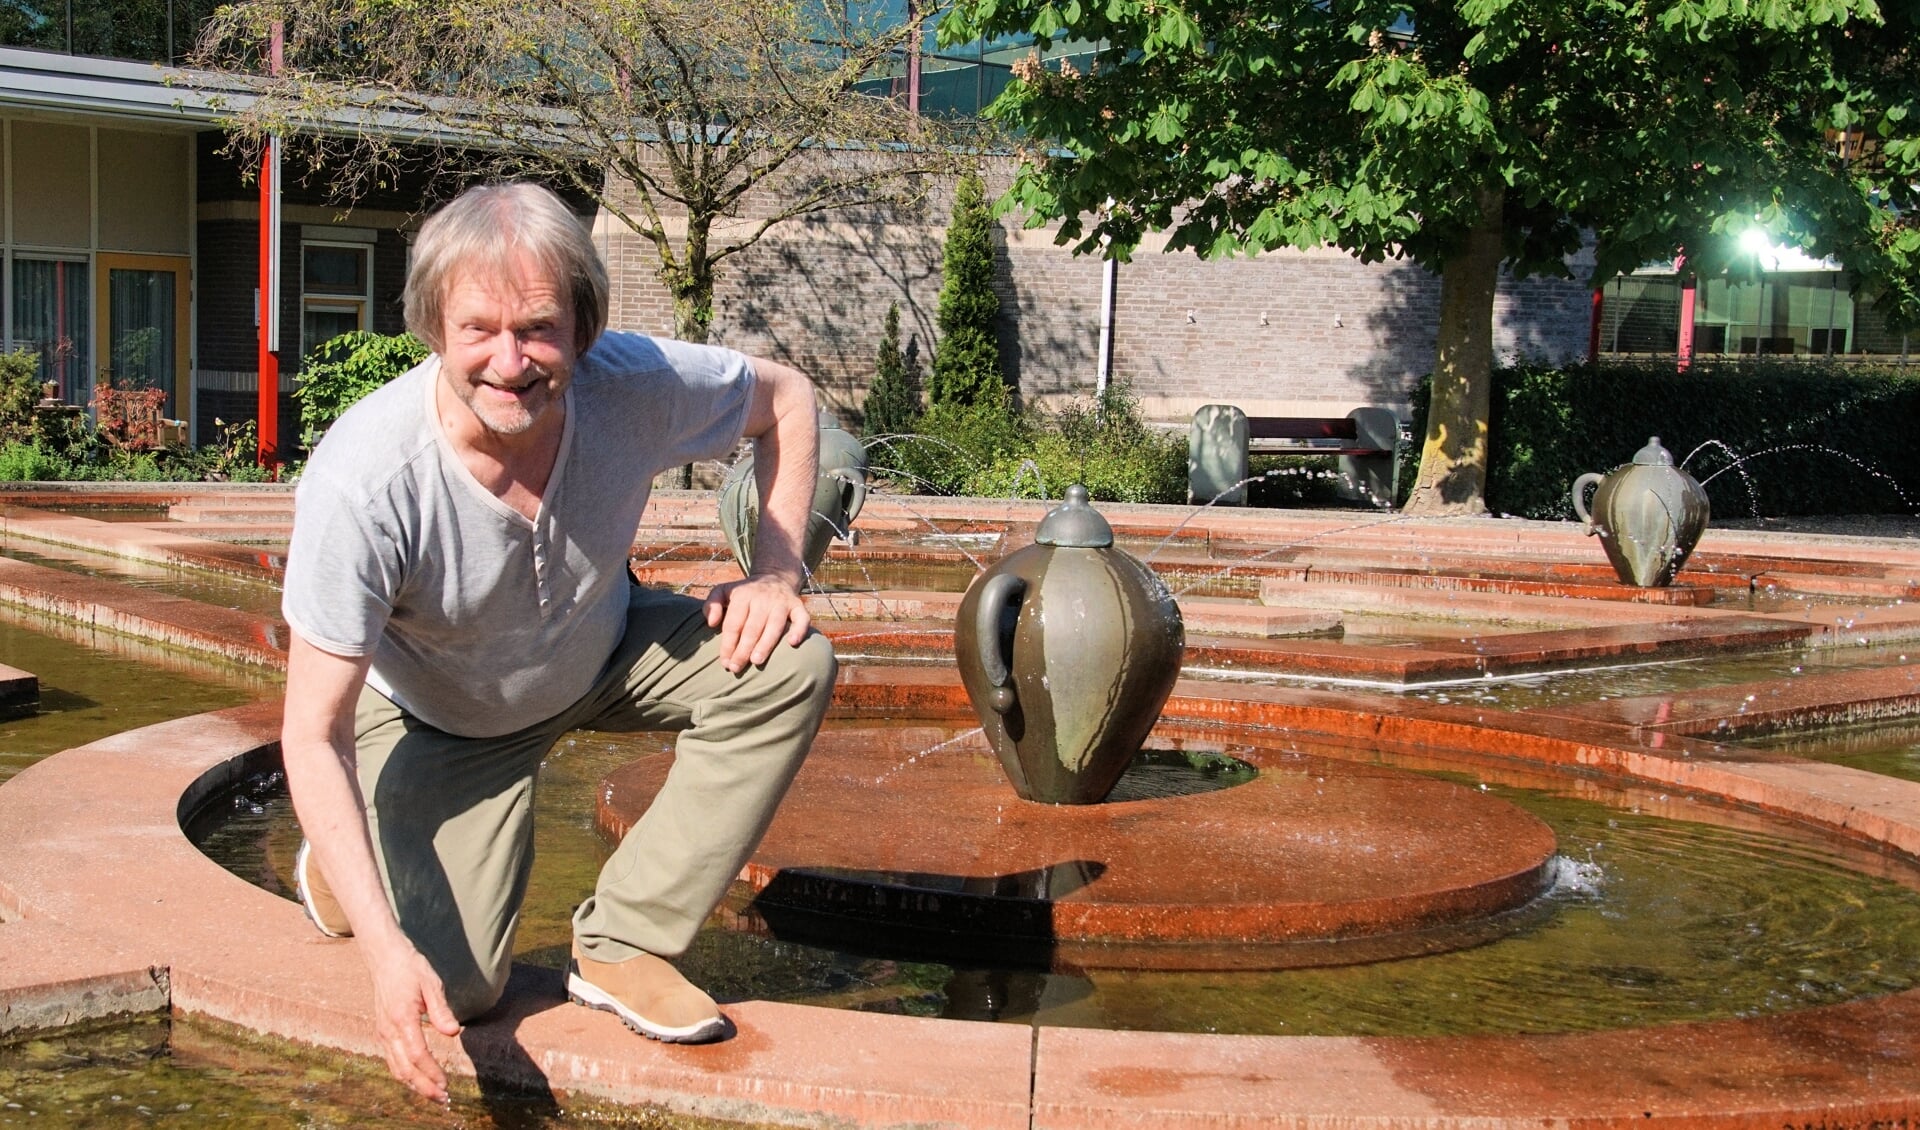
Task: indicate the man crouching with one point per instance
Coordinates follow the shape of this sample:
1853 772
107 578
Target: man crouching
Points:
458 591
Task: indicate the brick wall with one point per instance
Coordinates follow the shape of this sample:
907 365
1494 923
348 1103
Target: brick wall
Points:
1286 332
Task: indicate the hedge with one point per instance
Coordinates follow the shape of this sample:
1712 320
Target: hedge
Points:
1766 438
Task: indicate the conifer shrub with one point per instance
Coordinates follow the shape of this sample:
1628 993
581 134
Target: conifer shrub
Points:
966 358
892 406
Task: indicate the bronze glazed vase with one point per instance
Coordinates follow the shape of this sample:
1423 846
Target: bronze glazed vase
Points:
1068 649
1649 514
839 491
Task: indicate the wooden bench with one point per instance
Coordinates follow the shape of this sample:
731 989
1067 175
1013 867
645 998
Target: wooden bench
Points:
1364 440
1308 435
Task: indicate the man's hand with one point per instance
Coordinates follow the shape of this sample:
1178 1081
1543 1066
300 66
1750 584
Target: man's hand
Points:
753 616
405 987
317 749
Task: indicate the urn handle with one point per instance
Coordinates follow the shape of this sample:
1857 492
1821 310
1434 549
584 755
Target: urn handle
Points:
1579 497
853 495
998 594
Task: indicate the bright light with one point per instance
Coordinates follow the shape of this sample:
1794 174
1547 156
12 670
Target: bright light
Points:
1754 241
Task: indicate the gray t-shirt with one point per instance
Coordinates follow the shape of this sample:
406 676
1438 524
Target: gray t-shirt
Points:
478 620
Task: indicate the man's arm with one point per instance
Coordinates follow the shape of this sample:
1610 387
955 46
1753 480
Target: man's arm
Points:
755 614
317 748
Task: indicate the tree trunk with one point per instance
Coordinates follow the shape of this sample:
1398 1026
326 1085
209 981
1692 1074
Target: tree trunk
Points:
1453 460
693 315
692 290
692 285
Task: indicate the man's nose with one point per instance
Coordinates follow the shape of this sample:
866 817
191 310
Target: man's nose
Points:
509 354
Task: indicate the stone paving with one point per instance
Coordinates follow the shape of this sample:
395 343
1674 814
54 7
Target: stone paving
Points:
106 908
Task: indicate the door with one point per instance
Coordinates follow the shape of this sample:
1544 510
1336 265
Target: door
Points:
141 325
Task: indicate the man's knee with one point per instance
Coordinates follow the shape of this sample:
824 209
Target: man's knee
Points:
804 675
476 992
814 665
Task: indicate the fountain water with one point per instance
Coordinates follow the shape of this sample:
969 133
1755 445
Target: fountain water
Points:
1630 785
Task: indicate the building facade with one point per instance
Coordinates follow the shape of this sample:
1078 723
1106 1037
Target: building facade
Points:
130 251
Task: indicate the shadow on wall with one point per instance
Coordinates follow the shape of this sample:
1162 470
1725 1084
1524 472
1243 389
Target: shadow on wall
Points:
1404 325
1543 319
816 298
1049 324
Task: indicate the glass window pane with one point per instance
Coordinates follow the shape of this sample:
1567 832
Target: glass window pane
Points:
50 303
1642 315
334 270
140 328
323 323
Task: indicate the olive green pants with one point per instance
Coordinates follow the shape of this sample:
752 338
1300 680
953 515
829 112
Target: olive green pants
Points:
451 818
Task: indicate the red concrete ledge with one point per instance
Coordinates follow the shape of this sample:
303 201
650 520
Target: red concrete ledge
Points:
125 875
119 873
52 976
143 613
17 687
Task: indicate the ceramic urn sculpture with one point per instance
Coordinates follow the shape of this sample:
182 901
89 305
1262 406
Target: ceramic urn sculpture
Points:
1068 649
1649 515
839 491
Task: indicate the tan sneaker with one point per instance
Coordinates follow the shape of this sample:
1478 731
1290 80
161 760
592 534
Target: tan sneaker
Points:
316 897
648 995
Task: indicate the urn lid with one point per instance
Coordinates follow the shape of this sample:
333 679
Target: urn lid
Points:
1653 455
1074 524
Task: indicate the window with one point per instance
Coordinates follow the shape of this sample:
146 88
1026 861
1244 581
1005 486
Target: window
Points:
1782 314
51 305
336 291
1788 314
1641 314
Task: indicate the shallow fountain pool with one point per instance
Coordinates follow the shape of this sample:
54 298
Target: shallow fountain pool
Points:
149 1071
1664 911
95 684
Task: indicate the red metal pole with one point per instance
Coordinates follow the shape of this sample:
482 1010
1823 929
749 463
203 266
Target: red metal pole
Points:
269 361
1593 324
269 357
1687 292
913 58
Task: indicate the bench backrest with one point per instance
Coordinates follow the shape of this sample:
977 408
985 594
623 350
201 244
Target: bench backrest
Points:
1301 427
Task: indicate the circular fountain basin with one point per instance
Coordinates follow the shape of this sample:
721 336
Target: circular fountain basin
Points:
906 837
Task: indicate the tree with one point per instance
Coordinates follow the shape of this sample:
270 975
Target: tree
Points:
966 358
893 400
1475 135
698 124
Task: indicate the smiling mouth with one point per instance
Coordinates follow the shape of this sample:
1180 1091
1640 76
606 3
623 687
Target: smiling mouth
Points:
534 379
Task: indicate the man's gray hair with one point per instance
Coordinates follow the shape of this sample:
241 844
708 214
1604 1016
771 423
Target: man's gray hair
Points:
484 230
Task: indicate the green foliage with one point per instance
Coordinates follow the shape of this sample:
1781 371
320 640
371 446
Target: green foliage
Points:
892 406
19 392
64 445
1816 439
950 444
1401 130
984 451
1373 126
232 457
1102 444
26 462
966 359
339 372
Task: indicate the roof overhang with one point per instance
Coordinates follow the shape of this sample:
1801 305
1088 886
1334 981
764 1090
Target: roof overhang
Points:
50 82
